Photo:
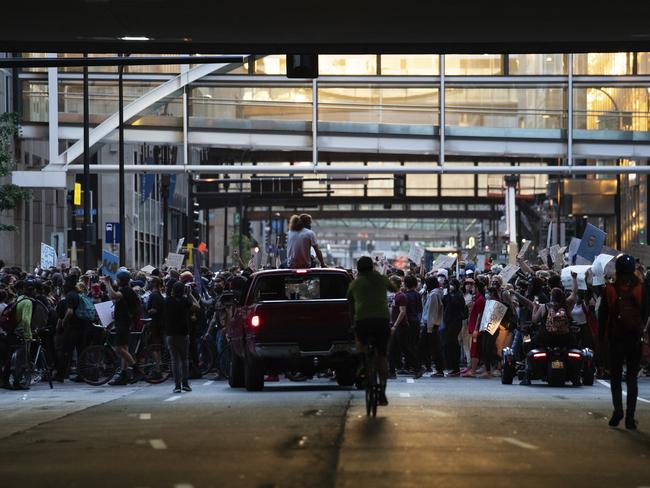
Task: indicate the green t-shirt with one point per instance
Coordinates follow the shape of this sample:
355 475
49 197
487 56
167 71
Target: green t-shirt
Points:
367 293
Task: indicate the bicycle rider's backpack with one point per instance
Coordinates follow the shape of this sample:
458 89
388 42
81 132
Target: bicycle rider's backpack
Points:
8 320
557 321
85 310
40 315
627 310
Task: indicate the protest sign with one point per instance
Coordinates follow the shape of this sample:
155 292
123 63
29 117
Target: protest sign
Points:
524 249
573 249
147 269
63 262
480 263
443 262
601 262
110 264
493 314
508 272
48 256
105 312
591 244
174 260
416 253
581 271
179 246
543 255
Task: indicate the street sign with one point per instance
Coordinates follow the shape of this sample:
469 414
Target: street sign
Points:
112 232
79 212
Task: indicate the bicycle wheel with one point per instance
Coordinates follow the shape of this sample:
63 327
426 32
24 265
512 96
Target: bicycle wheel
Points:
97 365
155 363
206 356
42 371
21 369
375 396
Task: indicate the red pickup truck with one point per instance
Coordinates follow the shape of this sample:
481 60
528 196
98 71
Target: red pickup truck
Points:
292 321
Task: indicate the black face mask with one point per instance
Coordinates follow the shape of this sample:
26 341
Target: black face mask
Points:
307 226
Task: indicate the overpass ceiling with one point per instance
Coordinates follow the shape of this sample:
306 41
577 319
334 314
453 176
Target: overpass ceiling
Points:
335 26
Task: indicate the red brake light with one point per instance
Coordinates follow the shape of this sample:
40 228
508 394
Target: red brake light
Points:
575 355
256 321
539 355
301 271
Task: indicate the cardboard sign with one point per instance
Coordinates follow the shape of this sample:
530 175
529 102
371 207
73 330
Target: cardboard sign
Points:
492 316
147 269
581 271
416 253
179 246
592 242
598 269
174 260
573 249
105 312
508 273
48 256
480 262
443 262
524 249
543 255
110 264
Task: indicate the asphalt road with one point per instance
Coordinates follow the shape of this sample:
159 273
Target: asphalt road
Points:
435 432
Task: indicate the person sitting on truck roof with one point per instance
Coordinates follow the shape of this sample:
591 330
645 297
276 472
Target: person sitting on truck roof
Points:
369 306
300 240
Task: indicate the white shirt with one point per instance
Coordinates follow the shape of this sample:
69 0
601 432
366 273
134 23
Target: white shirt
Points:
299 244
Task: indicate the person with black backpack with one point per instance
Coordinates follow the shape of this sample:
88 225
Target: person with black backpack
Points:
625 309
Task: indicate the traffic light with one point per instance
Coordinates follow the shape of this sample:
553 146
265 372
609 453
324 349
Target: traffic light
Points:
196 224
399 185
247 230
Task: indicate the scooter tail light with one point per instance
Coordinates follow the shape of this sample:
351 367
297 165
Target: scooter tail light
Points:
539 355
575 355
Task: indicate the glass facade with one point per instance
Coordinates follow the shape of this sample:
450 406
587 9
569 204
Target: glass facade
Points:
410 65
612 108
537 64
603 63
354 64
473 64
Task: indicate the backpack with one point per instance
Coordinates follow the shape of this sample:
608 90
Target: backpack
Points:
557 321
40 315
627 312
8 320
85 310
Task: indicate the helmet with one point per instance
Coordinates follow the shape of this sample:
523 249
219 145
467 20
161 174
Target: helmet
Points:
123 275
625 263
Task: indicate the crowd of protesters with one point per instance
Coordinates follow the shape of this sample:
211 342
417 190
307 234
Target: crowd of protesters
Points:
435 315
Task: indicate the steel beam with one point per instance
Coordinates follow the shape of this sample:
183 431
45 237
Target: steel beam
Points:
116 61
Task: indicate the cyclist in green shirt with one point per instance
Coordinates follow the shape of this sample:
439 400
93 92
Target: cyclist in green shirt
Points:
369 306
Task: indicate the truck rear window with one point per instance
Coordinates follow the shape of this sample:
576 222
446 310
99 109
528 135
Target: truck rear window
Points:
300 287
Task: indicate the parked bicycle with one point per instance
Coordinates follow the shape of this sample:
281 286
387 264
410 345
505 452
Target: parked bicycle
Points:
29 364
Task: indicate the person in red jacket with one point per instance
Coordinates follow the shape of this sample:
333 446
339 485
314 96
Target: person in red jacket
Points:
625 310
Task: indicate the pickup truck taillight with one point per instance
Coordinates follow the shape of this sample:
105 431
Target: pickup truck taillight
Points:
255 321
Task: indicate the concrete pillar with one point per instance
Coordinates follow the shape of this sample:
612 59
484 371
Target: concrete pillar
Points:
511 216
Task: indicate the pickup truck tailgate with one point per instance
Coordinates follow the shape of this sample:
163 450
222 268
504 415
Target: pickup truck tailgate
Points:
312 324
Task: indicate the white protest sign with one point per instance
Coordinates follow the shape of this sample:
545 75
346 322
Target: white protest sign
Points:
147 269
48 256
174 260
492 316
179 246
573 248
63 262
480 262
543 255
416 253
598 269
524 249
508 272
105 312
581 271
443 262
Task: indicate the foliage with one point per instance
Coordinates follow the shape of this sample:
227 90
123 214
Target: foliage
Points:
245 247
10 195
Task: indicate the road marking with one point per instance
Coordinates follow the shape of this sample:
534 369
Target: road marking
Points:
518 443
183 485
172 398
158 444
605 383
405 395
208 383
410 380
145 416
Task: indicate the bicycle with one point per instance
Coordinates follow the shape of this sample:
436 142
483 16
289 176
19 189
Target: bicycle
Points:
97 364
373 388
26 371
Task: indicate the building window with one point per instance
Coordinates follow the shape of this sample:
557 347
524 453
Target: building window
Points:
410 65
473 64
354 64
643 63
611 108
537 64
603 63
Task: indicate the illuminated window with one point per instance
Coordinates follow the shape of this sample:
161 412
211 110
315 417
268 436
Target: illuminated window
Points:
643 62
603 63
409 65
536 64
612 108
473 64
275 64
353 64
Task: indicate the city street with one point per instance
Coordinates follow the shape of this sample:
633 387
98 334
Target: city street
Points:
436 432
